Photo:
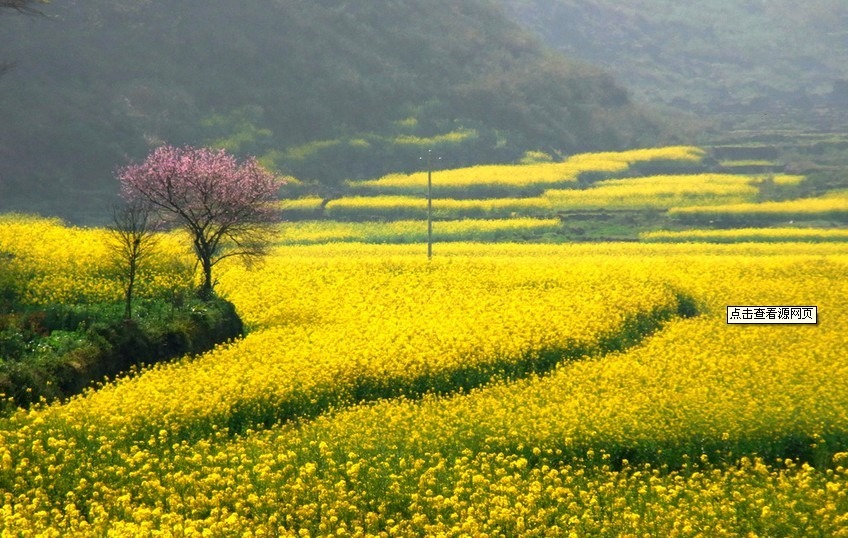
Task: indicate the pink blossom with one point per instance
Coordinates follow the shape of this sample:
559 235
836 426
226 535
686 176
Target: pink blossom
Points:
224 204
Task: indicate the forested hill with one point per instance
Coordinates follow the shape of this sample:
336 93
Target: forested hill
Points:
734 56
322 90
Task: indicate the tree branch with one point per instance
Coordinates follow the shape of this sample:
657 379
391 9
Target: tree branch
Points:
23 6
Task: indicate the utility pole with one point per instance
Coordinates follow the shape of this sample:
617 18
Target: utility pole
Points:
430 203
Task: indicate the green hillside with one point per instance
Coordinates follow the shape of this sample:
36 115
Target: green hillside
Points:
740 58
321 90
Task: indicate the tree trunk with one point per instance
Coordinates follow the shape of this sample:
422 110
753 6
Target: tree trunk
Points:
205 292
129 296
131 272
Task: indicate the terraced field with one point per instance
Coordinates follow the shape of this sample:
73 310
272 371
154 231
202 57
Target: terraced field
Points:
596 196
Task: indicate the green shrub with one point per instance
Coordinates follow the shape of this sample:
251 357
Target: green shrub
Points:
58 351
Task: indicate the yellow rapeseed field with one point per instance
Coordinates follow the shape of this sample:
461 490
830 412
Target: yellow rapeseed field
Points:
666 153
832 206
511 175
496 390
52 255
535 174
76 265
662 192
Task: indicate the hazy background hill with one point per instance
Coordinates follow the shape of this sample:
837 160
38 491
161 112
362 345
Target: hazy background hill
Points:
753 62
323 90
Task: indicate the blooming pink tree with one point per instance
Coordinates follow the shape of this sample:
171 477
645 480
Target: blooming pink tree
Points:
224 205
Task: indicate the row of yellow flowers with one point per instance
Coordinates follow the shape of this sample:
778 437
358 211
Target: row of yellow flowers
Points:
833 206
304 490
660 192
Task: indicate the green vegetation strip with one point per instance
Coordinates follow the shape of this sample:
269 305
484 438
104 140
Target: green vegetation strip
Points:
415 231
744 235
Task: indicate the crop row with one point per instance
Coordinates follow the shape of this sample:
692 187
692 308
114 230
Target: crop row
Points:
495 180
741 235
652 192
833 207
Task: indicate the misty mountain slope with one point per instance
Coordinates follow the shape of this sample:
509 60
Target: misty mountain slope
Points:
324 90
700 55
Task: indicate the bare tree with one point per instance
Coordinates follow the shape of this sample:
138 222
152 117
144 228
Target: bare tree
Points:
21 6
133 240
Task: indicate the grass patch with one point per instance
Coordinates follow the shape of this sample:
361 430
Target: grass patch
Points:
744 235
